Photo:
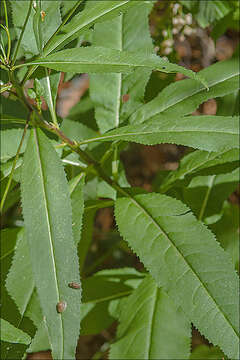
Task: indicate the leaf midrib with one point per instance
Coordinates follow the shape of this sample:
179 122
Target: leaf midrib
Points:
49 227
119 76
184 259
155 132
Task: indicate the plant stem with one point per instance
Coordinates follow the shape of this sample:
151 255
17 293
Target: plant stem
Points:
5 11
13 166
9 42
22 32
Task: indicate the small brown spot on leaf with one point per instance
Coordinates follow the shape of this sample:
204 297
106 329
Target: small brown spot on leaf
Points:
125 98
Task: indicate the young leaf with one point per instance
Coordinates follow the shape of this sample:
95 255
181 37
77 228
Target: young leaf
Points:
94 59
211 133
122 93
202 163
151 326
183 97
13 335
184 258
45 197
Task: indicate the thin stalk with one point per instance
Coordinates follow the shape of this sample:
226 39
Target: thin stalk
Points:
22 32
5 11
13 167
2 49
9 41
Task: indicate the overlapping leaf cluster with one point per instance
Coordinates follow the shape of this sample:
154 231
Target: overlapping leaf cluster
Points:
179 232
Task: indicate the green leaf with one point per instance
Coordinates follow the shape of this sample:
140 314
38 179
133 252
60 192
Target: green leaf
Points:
227 232
205 195
184 97
211 133
94 59
100 290
129 32
11 334
40 341
86 236
93 13
50 84
202 352
45 197
151 327
184 258
77 131
50 23
77 201
10 140
201 163
209 12
20 282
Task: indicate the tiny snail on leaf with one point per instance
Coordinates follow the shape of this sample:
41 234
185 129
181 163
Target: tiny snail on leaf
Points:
61 306
74 285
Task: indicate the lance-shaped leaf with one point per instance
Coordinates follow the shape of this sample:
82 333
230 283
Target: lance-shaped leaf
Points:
94 59
202 163
151 327
93 12
48 223
122 93
184 258
211 133
11 334
183 97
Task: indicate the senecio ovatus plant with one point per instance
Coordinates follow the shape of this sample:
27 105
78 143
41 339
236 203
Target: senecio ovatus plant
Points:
183 232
